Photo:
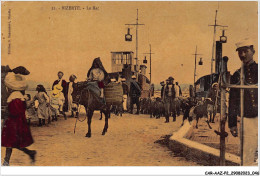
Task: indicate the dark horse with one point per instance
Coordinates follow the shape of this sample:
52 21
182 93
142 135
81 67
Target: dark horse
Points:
81 95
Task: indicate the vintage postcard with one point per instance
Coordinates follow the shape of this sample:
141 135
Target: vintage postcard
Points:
134 83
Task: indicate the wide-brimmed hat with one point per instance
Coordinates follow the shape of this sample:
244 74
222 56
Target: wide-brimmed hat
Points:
21 70
123 79
15 81
133 77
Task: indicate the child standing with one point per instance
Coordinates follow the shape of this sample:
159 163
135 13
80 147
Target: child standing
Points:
43 109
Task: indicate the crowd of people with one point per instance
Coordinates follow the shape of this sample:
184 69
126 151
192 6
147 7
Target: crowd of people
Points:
20 106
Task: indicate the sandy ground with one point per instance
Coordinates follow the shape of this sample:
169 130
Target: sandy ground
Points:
129 142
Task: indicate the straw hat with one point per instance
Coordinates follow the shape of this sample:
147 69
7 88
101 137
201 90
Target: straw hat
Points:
133 77
123 79
15 81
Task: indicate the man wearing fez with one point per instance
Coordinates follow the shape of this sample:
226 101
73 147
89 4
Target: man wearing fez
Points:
168 99
63 84
245 51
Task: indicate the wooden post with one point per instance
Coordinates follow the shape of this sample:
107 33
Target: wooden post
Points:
241 112
223 116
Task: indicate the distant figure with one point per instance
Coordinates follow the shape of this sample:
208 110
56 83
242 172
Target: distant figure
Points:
125 93
57 101
43 99
135 93
191 91
152 90
97 73
168 99
16 132
63 84
30 109
178 90
71 105
162 89
246 52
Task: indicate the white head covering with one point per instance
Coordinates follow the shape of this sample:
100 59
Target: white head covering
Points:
15 81
244 43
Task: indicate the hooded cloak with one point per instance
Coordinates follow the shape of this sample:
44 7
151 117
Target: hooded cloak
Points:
100 66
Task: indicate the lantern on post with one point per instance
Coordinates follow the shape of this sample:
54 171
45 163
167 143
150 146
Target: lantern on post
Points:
201 62
128 36
223 38
145 61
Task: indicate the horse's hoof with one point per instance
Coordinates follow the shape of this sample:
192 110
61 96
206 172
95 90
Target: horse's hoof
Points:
196 127
100 119
103 133
88 135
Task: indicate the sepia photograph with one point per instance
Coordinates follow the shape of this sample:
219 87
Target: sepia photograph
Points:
130 83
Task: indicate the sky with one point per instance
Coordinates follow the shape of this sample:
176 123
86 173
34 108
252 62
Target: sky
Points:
46 41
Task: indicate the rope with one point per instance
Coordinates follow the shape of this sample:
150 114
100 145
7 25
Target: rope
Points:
79 108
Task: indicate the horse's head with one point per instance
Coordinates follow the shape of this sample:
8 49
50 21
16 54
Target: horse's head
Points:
77 91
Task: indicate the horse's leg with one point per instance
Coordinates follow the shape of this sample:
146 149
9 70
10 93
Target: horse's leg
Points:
106 122
208 122
183 120
207 117
121 110
197 119
210 117
89 115
100 115
214 114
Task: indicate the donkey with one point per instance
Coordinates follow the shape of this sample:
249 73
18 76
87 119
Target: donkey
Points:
201 110
91 102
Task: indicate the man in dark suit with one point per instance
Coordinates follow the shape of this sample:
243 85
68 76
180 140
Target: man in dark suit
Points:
168 99
246 51
63 84
135 93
